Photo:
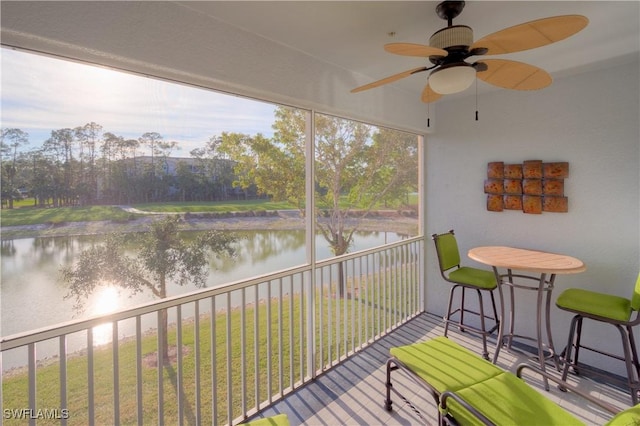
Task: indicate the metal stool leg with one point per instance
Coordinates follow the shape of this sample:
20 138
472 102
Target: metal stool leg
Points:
569 348
495 311
632 378
462 304
448 317
485 352
634 351
578 338
636 363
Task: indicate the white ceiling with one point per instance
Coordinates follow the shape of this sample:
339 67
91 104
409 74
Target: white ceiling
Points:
351 34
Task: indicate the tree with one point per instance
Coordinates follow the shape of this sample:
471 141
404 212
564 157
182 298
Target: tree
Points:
88 136
163 256
357 169
60 148
10 141
217 167
156 172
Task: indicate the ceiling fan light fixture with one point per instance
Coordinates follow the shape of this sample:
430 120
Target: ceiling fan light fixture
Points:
452 78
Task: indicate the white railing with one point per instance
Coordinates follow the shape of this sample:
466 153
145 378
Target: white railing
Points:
244 345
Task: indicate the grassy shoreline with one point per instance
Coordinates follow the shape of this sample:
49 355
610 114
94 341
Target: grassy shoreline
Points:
94 223
29 215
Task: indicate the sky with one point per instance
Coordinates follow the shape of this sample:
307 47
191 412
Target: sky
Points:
39 94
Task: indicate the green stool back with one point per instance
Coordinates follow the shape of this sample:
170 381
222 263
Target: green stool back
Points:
463 278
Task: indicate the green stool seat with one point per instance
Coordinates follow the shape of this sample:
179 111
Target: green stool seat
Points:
475 277
600 305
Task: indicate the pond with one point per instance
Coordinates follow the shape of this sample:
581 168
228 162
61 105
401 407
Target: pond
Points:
31 295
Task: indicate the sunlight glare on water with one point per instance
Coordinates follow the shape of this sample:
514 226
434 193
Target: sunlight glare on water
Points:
105 300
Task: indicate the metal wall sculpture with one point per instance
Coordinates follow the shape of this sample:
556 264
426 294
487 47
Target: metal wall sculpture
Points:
532 187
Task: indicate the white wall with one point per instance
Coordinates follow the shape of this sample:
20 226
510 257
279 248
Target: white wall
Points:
589 120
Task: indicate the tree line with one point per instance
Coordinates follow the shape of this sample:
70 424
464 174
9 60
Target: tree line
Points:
87 166
357 166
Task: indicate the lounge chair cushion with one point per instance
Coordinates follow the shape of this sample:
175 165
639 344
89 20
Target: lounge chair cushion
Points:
507 400
277 420
630 416
444 364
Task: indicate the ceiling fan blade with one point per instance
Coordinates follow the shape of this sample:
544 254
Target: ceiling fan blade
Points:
532 34
428 95
412 49
389 79
514 75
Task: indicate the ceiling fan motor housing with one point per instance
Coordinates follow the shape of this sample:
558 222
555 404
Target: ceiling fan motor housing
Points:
452 38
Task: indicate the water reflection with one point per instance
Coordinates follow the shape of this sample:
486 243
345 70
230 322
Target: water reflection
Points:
107 300
32 297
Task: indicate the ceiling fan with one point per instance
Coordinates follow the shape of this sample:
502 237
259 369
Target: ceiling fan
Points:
450 47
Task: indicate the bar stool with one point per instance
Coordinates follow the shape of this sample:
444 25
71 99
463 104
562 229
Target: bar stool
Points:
609 309
465 277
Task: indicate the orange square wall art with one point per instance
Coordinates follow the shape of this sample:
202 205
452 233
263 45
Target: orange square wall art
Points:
532 187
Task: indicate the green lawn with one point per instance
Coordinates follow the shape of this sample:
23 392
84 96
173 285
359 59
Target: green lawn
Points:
218 207
25 214
59 215
29 215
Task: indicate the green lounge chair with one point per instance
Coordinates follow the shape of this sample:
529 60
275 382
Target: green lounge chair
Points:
470 390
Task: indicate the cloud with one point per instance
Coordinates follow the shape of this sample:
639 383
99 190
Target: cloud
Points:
40 94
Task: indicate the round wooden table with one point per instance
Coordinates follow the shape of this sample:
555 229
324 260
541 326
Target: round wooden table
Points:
546 266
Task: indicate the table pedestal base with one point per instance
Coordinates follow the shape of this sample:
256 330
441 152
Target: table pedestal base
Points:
543 287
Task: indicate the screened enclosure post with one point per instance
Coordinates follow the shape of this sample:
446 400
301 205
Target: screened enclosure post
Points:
309 277
422 220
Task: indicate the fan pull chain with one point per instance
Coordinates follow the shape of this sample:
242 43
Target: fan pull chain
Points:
476 99
428 117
